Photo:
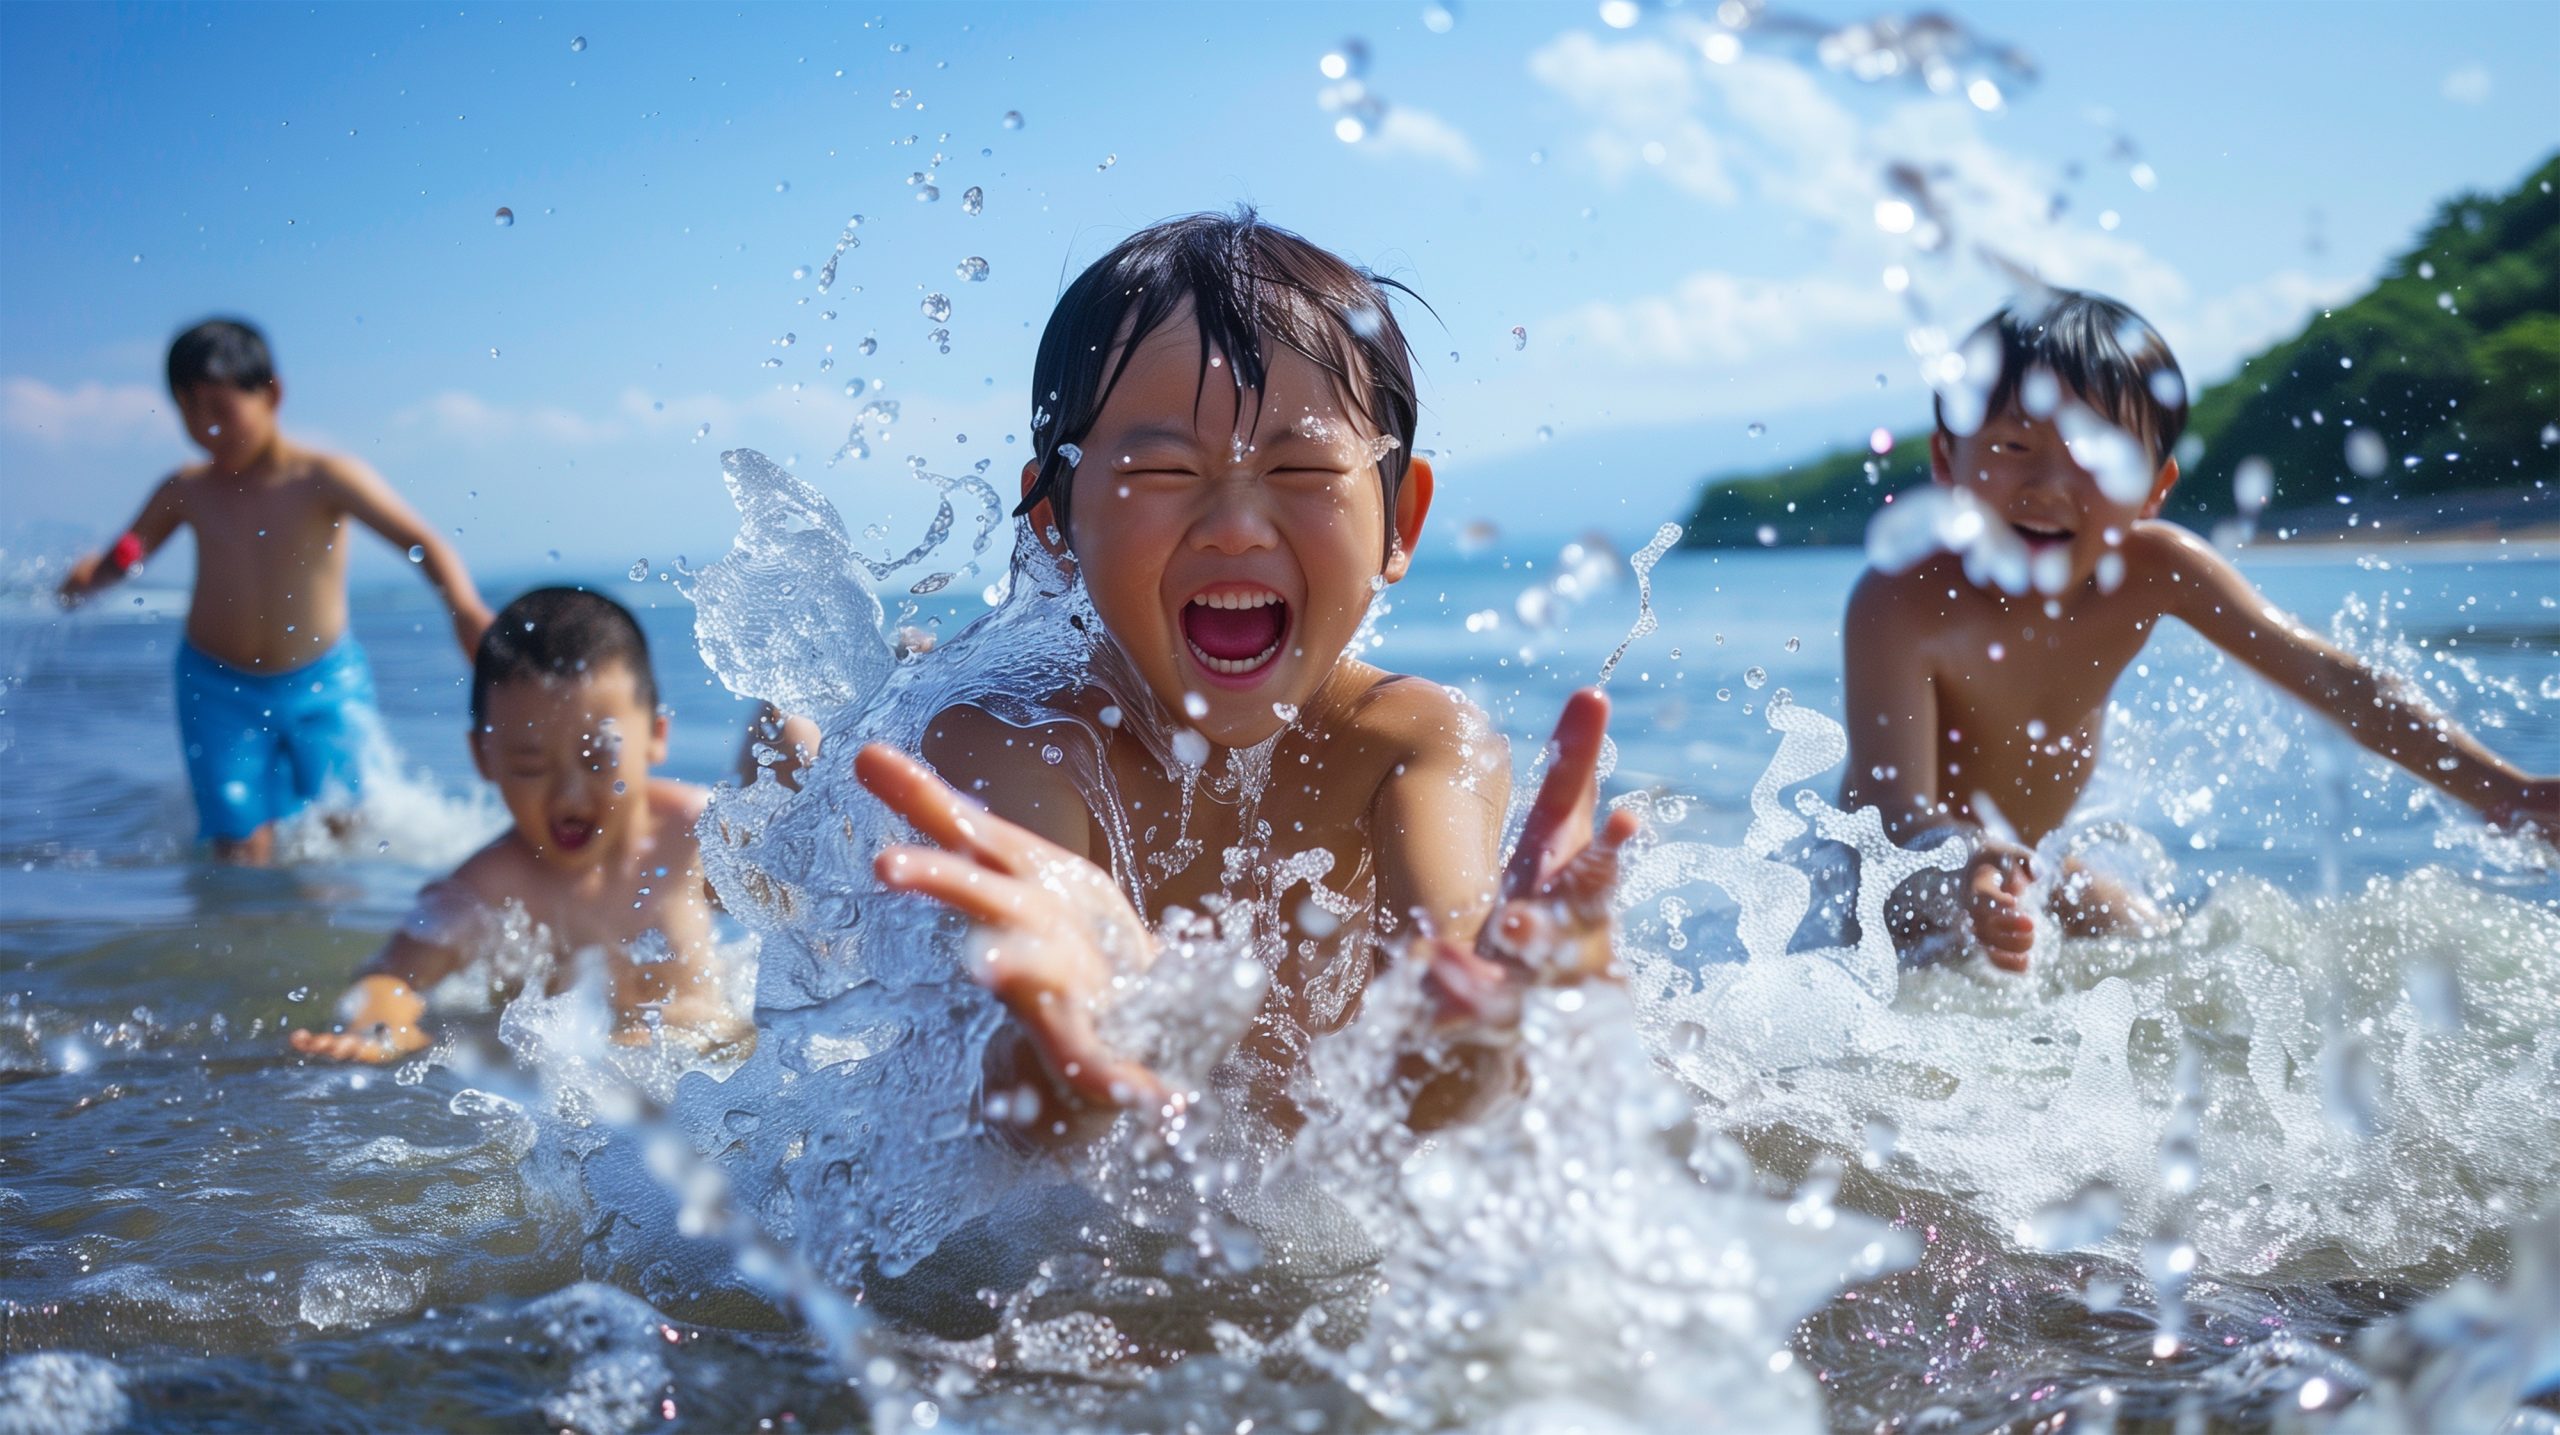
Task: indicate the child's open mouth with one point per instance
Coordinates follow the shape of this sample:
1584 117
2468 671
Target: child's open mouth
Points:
2039 534
568 834
1236 633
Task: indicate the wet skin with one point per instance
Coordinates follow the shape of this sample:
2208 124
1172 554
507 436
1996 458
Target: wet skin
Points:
270 519
1983 707
600 854
1189 491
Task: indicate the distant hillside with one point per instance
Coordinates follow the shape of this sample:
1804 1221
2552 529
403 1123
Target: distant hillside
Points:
2453 357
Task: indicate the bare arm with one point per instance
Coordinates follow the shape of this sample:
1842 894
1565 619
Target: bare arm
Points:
371 502
2380 710
1891 708
161 514
1894 730
380 1016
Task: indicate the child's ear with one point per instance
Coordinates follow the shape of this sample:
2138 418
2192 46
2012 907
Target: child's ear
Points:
478 739
1043 518
275 394
1413 504
1942 457
2160 487
658 739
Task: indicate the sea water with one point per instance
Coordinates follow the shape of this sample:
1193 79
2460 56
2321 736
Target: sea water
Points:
2280 1153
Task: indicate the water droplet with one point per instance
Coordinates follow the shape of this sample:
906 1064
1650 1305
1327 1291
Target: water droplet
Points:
898 98
493 353
505 217
936 307
639 570
867 347
1195 706
973 269
2089 1216
578 46
1107 162
1755 678
799 271
782 186
417 553
1519 337
1756 430
1440 17
927 194
1012 119
2253 482
1545 433
1795 645
702 433
973 200
137 259
2366 454
298 994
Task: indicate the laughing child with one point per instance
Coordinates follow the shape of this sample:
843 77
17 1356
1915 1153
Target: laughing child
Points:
275 700
1227 464
1973 708
599 864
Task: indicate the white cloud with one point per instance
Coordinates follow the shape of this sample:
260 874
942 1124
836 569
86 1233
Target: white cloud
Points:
2469 85
1423 135
1645 98
90 415
2213 336
1725 319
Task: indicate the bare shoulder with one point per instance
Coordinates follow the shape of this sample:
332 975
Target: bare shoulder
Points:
339 473
496 874
673 801
2178 568
1902 608
1007 766
1416 722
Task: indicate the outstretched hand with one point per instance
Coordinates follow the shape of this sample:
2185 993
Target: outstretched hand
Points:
1052 928
1554 916
377 1022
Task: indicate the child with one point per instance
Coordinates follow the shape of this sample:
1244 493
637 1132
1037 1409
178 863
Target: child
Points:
1974 710
601 858
275 700
1226 461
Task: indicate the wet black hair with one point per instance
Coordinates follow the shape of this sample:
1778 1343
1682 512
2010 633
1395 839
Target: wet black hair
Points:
1248 283
220 351
559 632
2096 349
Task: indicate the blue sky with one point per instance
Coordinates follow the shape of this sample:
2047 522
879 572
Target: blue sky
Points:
1683 223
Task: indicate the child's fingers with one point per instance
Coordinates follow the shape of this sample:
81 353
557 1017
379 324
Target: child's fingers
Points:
1062 1032
944 817
953 880
1562 811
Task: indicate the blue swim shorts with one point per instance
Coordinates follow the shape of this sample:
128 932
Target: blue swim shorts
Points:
261 746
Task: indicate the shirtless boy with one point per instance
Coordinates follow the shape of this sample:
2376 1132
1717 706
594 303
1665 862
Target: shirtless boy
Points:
275 700
1228 466
1977 705
600 862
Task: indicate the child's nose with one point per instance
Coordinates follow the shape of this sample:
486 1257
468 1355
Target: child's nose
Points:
1237 521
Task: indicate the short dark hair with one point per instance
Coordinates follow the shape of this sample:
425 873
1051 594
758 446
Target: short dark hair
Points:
220 351
1247 282
2097 349
559 632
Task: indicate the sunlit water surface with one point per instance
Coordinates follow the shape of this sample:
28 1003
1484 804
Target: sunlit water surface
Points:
2325 1098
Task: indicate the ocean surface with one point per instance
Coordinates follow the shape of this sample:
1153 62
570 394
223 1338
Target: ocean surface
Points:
2131 1145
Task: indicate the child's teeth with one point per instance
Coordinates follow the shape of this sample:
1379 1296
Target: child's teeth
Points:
1234 665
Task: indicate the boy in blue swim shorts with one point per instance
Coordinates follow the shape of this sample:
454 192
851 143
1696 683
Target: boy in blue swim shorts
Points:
275 700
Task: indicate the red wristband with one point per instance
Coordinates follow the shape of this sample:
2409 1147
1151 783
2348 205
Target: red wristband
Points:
126 553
